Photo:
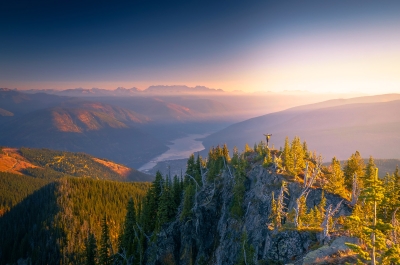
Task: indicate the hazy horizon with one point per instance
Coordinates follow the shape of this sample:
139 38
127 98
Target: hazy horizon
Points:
348 94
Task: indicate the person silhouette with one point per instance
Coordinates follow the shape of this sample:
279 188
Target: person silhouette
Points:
267 136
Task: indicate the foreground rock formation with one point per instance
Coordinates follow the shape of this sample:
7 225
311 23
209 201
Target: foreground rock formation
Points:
212 235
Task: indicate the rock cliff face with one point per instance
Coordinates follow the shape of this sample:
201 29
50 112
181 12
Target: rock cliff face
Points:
212 235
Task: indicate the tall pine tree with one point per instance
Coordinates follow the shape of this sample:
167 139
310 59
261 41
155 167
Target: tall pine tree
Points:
105 244
297 155
150 205
354 165
90 250
128 242
287 156
166 207
373 230
335 179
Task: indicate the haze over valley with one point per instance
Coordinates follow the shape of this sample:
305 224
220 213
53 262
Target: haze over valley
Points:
131 129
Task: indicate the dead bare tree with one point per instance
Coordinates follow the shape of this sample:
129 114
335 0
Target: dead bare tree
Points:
325 224
209 199
305 175
244 253
229 169
284 190
277 161
308 182
355 191
128 260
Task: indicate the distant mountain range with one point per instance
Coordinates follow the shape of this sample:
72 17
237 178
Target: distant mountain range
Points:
335 128
121 91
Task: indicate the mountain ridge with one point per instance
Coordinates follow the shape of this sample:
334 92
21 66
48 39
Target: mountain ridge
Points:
20 161
369 127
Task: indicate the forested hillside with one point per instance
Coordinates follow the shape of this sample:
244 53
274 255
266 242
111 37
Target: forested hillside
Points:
46 163
50 226
262 206
14 188
24 171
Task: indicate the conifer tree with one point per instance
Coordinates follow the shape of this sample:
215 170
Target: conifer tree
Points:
390 200
261 149
235 156
301 215
247 149
305 150
188 199
128 237
297 154
166 208
150 205
216 162
225 153
396 175
105 245
354 165
267 161
198 170
372 230
177 190
373 194
287 156
90 250
239 188
321 207
335 181
190 169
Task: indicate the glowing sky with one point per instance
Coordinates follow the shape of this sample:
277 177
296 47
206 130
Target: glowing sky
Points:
319 46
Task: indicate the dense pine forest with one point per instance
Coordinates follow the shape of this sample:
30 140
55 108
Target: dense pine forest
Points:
51 225
261 206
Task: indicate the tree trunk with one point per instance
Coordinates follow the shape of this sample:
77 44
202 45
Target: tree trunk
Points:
373 262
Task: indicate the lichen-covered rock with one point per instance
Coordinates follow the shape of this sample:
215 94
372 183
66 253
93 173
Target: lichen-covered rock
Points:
328 250
290 245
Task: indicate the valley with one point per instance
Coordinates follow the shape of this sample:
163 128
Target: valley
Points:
180 148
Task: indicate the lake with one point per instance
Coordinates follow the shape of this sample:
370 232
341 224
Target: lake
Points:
180 148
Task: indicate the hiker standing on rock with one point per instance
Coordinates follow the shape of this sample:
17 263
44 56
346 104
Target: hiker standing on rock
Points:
267 136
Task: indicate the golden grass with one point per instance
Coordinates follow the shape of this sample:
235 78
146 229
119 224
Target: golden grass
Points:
11 161
117 168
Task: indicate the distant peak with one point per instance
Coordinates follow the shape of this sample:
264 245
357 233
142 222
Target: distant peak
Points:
165 89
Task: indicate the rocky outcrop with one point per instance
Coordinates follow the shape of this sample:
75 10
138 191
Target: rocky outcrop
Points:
338 245
212 235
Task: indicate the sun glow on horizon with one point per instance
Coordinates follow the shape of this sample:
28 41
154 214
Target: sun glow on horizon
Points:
346 53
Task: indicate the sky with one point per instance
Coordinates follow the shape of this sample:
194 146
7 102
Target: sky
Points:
318 46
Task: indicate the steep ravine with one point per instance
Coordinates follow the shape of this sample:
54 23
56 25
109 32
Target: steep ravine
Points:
213 236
